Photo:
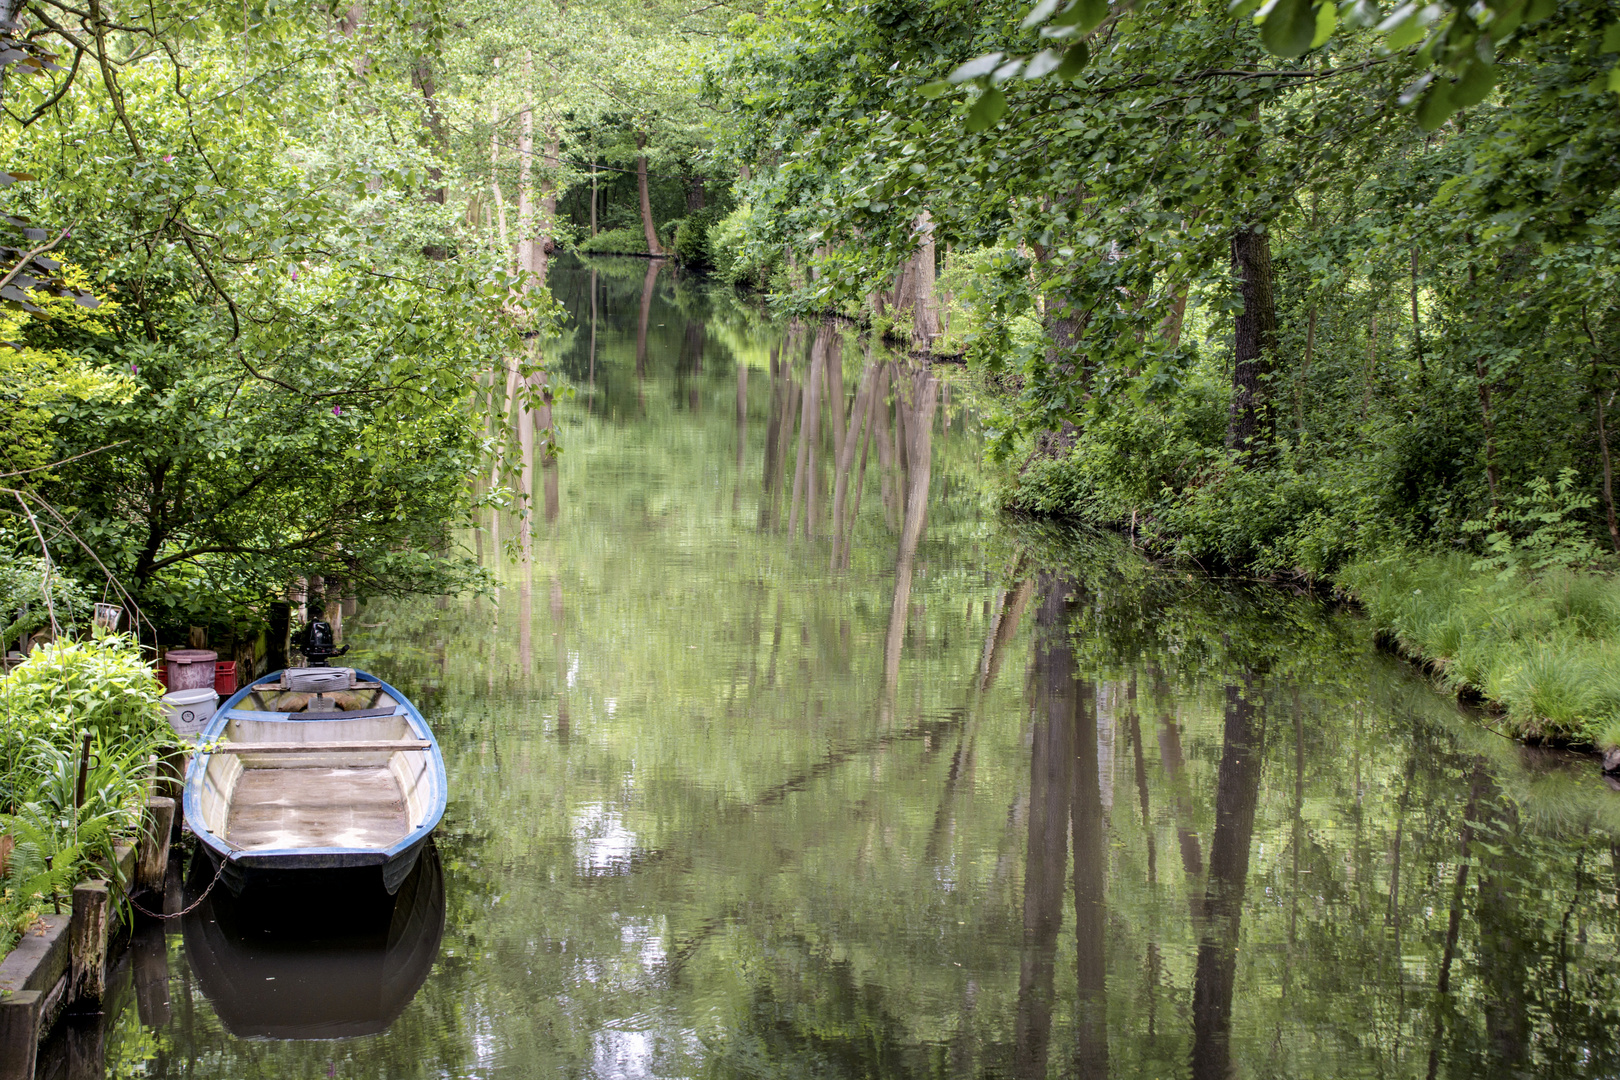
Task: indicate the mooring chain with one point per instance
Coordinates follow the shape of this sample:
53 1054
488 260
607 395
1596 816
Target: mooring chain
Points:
195 903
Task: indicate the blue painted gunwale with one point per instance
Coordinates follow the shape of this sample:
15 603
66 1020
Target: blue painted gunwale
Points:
323 858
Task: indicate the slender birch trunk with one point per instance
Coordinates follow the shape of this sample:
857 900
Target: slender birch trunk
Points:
495 178
526 244
548 203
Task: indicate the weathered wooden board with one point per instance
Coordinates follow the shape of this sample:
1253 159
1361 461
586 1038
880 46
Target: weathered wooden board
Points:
317 807
322 747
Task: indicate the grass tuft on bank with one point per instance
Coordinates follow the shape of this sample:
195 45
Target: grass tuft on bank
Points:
1542 646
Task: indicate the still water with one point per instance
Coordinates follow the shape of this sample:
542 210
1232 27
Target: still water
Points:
778 754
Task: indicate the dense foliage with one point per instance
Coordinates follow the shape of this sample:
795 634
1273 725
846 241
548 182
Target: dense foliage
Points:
273 385
89 707
1259 311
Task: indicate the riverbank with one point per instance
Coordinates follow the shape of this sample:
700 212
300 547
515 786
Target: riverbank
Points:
1543 649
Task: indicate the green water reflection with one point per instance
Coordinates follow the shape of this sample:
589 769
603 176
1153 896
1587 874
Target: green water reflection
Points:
780 756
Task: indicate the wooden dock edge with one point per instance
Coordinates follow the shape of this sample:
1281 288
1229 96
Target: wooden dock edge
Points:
66 960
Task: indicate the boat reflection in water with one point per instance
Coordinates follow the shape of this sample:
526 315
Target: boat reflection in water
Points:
337 966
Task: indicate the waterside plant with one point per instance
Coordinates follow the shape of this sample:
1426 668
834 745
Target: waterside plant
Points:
80 726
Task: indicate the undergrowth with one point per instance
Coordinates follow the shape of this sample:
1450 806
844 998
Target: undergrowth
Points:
50 838
1544 646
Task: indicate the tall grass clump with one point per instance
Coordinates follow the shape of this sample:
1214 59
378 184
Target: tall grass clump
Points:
1541 645
63 694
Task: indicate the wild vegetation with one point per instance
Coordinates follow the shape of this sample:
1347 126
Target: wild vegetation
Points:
1278 295
79 728
1280 290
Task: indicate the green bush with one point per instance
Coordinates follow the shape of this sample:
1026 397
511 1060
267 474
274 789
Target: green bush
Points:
691 245
626 241
68 687
667 233
23 585
737 257
64 692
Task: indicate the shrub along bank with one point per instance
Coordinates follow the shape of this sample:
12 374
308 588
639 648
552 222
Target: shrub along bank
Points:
79 725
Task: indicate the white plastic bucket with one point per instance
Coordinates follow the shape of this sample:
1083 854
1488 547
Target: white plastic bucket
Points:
188 711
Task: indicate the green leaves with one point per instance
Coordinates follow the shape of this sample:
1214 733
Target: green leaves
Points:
1083 16
1075 59
1287 27
1039 14
977 68
990 107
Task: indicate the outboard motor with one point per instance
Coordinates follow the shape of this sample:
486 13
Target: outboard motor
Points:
316 642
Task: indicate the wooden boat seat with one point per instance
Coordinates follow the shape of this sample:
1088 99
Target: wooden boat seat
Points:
352 746
336 714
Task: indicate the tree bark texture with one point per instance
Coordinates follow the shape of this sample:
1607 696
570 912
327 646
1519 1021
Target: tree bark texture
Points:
1252 421
526 238
646 199
924 305
548 203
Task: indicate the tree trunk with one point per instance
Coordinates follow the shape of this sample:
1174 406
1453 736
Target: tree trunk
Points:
920 422
548 204
694 194
593 196
1237 793
1483 387
495 175
1417 323
646 200
1252 422
846 456
648 283
1372 363
1052 766
924 305
1603 436
1089 831
526 243
349 24
422 78
808 427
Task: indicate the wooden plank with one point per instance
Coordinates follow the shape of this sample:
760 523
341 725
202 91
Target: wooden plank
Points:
356 746
302 808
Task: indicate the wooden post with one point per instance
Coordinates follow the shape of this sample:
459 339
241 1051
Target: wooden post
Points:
19 1034
92 919
154 857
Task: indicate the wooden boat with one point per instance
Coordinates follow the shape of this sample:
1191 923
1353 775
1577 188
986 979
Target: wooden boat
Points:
315 769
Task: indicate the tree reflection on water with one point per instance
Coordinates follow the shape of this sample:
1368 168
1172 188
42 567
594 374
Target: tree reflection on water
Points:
831 774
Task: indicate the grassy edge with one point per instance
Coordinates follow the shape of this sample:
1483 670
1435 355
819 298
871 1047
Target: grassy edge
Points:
1543 649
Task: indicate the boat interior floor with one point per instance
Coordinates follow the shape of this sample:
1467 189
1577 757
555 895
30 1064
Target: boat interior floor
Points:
317 807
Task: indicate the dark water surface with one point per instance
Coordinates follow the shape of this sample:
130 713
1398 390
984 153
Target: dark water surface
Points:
737 791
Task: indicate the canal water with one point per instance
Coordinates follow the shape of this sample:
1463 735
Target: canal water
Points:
777 753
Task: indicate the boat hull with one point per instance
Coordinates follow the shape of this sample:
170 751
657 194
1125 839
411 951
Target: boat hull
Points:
289 860
295 870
